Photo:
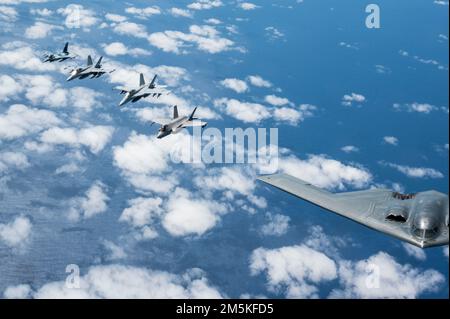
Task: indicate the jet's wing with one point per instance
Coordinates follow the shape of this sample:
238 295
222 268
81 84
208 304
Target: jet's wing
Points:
372 208
195 123
161 122
122 89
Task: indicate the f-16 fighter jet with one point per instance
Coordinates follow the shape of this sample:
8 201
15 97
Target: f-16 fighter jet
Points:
91 70
420 219
60 57
144 90
178 123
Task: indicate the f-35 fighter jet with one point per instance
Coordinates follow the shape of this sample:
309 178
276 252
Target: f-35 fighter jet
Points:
420 219
144 90
60 57
91 70
178 123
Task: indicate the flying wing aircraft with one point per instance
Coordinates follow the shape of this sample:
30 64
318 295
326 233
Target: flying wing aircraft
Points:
144 90
60 57
420 219
178 123
91 70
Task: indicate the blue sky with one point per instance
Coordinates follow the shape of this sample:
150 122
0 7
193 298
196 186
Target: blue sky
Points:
84 182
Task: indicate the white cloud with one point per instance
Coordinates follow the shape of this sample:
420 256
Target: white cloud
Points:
248 6
20 56
393 279
294 115
177 12
424 108
17 292
42 12
118 48
143 13
94 137
325 172
13 159
115 17
9 87
391 140
236 85
246 112
8 14
125 282
190 216
353 98
350 149
298 269
40 30
205 4
78 17
258 81
19 121
276 100
115 252
16 233
226 178
131 29
414 251
142 213
143 158
415 172
206 38
277 225
274 34
93 203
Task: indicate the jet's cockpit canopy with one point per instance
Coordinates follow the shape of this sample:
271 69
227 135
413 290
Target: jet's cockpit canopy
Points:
426 227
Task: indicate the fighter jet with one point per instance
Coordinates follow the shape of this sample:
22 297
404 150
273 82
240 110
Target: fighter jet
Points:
60 57
144 90
420 219
178 123
93 71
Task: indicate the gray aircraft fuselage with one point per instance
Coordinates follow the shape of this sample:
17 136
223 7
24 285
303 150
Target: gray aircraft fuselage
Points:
173 127
82 73
59 57
141 92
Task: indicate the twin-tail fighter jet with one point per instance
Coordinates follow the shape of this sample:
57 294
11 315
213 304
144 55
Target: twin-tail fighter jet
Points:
91 70
178 123
61 56
144 90
420 219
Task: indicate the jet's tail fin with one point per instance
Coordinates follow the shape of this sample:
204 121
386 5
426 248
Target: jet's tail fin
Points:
191 118
152 84
99 63
89 61
66 48
175 112
141 80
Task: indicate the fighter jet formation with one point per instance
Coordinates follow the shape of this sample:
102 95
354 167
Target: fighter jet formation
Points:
132 95
420 219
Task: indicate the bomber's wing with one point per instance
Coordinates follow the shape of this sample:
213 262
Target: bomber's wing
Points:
378 209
